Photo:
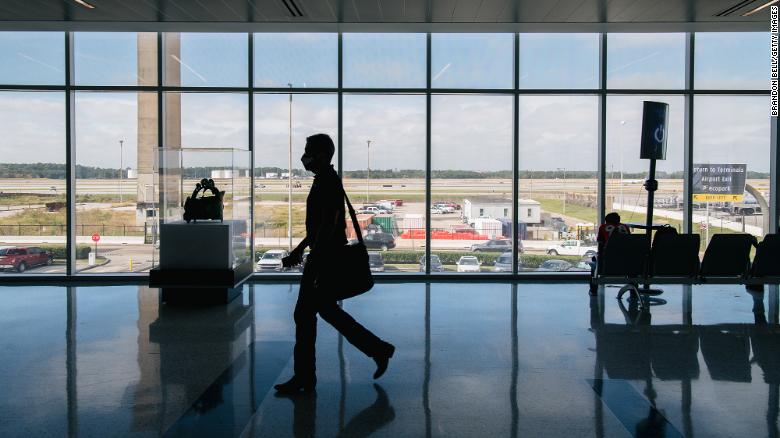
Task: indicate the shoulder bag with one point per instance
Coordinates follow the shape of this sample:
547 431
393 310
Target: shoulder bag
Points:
347 273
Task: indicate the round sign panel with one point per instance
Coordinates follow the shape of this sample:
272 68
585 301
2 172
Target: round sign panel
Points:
95 237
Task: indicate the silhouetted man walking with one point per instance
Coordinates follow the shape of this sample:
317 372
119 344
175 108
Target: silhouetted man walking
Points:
325 233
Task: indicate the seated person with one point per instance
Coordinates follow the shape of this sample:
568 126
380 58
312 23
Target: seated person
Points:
611 225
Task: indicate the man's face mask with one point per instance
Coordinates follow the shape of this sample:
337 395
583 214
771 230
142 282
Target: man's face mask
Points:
308 161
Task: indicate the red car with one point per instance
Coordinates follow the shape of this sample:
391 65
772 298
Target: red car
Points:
19 259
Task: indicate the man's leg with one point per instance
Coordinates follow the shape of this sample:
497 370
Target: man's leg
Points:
355 333
305 329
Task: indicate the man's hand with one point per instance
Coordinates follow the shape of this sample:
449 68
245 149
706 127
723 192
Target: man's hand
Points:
293 259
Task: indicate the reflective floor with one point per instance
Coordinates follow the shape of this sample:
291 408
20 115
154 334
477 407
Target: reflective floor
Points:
472 359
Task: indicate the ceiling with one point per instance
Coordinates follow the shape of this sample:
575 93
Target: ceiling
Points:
36 13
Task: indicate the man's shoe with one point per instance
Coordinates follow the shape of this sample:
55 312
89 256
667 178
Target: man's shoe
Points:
382 361
296 385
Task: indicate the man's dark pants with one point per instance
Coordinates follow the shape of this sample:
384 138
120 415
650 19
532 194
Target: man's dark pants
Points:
312 301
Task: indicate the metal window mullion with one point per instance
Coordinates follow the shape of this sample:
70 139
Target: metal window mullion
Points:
428 154
160 126
340 121
602 129
516 157
688 133
70 158
251 140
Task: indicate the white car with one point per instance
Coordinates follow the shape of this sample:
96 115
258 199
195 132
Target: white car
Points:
468 264
272 260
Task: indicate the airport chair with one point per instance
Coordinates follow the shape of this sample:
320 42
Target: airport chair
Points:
727 259
624 260
766 263
674 258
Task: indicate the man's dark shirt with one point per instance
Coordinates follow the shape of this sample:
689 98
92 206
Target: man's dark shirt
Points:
325 201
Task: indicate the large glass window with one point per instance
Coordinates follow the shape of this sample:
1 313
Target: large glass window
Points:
207 120
383 122
558 181
374 60
646 61
115 58
282 123
304 60
732 61
731 136
472 60
471 183
32 58
32 167
626 172
559 60
115 173
384 174
206 59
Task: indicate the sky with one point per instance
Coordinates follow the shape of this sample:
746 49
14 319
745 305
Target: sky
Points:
471 132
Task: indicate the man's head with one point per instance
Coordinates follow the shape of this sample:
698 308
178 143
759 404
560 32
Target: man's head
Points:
612 218
318 153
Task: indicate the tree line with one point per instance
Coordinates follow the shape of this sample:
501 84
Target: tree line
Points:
57 171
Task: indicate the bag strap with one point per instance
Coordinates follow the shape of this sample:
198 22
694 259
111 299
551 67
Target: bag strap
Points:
352 214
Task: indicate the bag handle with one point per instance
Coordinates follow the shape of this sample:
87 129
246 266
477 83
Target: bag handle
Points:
352 215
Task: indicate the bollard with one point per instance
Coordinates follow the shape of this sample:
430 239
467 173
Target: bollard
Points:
131 264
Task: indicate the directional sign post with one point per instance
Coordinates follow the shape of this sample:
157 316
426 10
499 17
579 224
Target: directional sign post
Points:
719 182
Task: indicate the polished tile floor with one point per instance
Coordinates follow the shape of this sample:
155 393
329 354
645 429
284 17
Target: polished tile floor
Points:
473 359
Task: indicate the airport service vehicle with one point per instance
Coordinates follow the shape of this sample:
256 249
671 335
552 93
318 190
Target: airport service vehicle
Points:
468 264
21 258
375 262
436 265
504 263
383 241
493 245
554 265
272 260
573 247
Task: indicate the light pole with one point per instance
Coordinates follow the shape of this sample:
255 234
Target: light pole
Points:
564 189
289 179
121 171
368 168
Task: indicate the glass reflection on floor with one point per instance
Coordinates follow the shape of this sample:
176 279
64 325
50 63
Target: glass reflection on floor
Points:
506 359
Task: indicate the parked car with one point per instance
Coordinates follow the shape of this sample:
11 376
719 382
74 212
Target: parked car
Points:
445 208
580 266
370 209
272 260
493 245
383 241
468 264
504 263
436 265
21 258
554 265
573 247
375 262
435 210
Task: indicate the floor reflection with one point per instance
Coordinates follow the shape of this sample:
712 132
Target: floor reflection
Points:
641 351
507 364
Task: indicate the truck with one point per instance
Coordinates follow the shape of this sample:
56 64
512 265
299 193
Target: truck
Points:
573 248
